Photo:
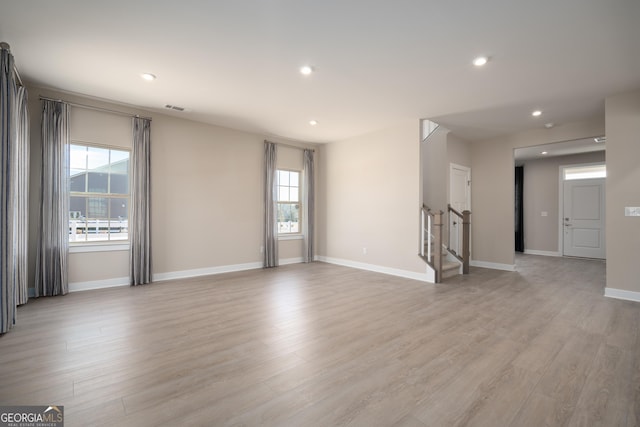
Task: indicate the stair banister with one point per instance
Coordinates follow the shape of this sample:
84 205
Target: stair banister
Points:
431 239
464 217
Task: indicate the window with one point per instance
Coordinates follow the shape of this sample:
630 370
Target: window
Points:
288 202
99 194
585 172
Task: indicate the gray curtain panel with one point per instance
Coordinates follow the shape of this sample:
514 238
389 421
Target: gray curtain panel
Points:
21 211
7 142
270 205
308 201
53 244
14 192
140 221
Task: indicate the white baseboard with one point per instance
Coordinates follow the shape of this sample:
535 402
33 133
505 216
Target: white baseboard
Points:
493 265
622 294
423 277
98 284
542 253
288 261
207 271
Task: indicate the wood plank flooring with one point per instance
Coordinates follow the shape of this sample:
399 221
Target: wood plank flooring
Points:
323 345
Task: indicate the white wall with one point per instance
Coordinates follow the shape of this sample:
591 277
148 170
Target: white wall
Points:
458 151
623 179
206 198
370 198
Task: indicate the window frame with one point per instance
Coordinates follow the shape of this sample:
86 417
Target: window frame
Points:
296 234
584 171
109 244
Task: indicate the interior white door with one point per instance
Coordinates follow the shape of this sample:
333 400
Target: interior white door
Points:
583 218
460 200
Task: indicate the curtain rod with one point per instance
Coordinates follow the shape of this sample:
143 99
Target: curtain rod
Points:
91 107
5 45
290 145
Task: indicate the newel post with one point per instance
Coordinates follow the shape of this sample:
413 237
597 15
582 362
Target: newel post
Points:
466 243
437 245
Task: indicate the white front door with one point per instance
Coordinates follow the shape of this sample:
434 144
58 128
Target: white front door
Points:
460 200
583 218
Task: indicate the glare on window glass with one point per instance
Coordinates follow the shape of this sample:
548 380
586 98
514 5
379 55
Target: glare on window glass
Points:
283 194
294 179
293 194
283 177
78 157
97 158
118 157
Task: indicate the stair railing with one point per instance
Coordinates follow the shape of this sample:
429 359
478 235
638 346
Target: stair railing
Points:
461 249
431 239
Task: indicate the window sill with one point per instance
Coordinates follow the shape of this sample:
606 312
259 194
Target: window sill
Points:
75 248
290 236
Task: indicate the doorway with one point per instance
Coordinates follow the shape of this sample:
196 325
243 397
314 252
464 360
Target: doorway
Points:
543 193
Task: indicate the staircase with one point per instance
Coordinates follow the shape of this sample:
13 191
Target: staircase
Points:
444 262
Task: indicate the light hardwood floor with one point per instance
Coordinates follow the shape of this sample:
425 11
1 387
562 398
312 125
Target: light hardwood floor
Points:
323 345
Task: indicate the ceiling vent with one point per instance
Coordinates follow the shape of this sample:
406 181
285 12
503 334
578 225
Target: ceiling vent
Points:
174 107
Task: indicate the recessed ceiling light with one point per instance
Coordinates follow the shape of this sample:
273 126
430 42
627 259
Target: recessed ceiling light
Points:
313 122
549 125
149 77
544 152
480 61
536 113
306 70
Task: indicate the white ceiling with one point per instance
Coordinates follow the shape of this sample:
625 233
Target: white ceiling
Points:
235 63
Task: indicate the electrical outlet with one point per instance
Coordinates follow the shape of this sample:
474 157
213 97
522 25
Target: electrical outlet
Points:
364 251
545 213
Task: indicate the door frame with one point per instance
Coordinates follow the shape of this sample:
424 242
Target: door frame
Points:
561 200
